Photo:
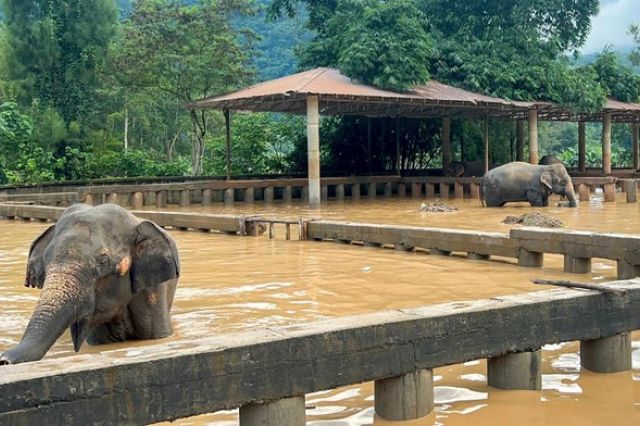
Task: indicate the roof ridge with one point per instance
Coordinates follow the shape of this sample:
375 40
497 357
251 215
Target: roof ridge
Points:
317 72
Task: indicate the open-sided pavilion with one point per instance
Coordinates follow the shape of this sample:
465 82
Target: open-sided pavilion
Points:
325 91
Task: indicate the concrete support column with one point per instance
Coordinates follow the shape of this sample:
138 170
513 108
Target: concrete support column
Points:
577 265
185 198
371 190
268 194
388 190
516 371
405 397
249 195
229 196
137 200
610 192
402 190
533 136
355 191
582 147
206 197
584 193
530 259
444 190
287 194
161 199
88 199
631 189
519 140
606 143
627 271
446 142
112 198
313 150
416 190
635 137
607 354
287 411
430 189
475 190
458 191
340 192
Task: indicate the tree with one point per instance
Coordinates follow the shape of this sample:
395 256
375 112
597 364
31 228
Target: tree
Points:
56 49
186 52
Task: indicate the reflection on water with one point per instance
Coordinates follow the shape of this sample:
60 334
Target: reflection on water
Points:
238 284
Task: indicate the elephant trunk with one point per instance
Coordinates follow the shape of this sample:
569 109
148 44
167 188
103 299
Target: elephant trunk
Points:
56 310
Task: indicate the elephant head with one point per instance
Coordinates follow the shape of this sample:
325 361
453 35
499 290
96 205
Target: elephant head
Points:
90 266
555 179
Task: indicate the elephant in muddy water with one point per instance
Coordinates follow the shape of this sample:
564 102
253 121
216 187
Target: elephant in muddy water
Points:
519 181
548 159
105 275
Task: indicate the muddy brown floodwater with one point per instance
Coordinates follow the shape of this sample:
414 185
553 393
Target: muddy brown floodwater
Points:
233 284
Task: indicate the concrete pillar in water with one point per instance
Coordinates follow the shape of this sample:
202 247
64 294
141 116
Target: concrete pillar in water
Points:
584 193
631 189
249 195
533 136
520 370
610 192
313 150
446 142
530 259
607 354
458 191
402 190
206 197
606 143
627 271
287 194
287 411
582 147
161 199
520 140
88 199
416 190
430 190
405 397
229 196
112 197
475 190
371 190
355 191
340 192
577 265
185 198
444 190
268 194
388 190
137 200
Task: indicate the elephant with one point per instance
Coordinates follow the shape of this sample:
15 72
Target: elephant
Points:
520 181
549 159
465 168
105 274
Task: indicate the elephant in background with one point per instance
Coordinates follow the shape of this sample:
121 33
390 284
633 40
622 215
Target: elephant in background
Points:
548 159
105 275
465 168
519 181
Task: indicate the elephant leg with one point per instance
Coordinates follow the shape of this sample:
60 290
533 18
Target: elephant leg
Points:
149 311
536 199
118 329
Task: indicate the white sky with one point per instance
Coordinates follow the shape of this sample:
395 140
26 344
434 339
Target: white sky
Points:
611 25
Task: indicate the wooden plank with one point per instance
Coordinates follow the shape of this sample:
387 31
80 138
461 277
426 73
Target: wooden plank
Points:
185 378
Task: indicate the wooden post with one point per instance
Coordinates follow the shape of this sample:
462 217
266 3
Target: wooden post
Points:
636 149
446 142
533 136
398 152
606 143
519 140
313 151
227 123
486 144
582 147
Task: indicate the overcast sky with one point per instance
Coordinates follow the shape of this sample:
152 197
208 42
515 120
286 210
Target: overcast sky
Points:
611 24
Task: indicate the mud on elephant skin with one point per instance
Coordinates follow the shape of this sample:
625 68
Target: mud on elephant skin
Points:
105 275
519 181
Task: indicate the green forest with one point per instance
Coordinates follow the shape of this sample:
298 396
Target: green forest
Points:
96 89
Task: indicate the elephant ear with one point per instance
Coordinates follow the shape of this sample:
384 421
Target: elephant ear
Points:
546 179
35 264
155 257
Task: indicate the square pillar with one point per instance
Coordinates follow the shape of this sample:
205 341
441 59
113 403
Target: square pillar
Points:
606 143
582 147
313 150
533 136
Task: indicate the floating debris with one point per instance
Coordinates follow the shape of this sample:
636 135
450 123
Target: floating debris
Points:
437 208
533 219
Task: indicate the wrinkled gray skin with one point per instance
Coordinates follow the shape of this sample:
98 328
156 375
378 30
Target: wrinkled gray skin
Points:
526 182
105 275
465 168
547 160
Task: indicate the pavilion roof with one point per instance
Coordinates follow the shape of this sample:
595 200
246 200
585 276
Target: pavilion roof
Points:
340 95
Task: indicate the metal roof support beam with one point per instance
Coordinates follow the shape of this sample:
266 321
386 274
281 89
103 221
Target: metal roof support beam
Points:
533 136
606 143
313 150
